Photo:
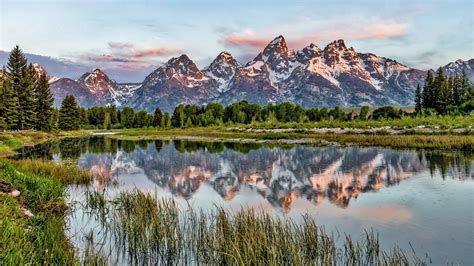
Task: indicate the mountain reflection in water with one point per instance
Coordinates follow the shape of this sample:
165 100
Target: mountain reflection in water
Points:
279 174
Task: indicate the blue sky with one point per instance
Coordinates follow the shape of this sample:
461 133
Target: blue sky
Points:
142 34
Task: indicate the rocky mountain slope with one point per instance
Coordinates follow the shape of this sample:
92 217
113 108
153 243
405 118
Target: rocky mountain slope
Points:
459 67
336 75
92 88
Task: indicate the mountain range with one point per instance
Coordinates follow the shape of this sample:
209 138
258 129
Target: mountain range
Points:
336 75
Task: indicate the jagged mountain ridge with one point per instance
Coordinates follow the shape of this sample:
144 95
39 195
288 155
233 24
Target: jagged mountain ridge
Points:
91 89
312 77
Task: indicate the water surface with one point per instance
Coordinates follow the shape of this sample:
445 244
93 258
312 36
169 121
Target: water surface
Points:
410 197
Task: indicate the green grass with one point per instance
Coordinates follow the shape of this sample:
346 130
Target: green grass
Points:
461 142
39 239
12 140
148 230
406 122
64 173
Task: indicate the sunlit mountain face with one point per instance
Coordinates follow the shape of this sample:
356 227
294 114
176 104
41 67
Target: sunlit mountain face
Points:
279 175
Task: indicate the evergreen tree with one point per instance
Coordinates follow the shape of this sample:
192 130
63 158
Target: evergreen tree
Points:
178 117
427 95
68 114
21 82
8 103
442 91
467 91
140 119
83 120
457 90
55 119
157 117
418 101
44 104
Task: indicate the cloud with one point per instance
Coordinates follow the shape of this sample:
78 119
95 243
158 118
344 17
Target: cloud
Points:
359 31
126 56
131 50
246 38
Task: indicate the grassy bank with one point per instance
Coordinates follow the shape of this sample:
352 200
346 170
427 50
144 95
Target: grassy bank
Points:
11 140
430 141
406 122
39 239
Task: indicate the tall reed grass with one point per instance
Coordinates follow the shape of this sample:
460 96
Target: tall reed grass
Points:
148 230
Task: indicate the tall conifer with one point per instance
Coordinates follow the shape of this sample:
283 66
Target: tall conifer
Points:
21 82
68 114
427 97
44 104
418 100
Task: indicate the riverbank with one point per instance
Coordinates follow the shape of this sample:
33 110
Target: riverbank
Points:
12 140
32 226
462 142
461 139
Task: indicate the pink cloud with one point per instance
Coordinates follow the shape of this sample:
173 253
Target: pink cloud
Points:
245 39
131 50
127 56
367 31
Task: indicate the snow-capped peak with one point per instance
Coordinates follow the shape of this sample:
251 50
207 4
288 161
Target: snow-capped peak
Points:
222 69
309 52
39 70
277 47
339 45
183 65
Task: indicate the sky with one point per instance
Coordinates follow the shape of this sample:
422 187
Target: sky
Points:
136 35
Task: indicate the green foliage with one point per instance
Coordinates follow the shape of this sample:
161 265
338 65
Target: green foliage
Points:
40 239
418 100
364 113
157 117
22 82
25 99
142 119
44 104
444 94
68 114
107 121
127 116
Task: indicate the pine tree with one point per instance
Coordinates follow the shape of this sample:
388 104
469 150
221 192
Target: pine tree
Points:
157 117
456 87
442 91
8 102
21 82
68 114
3 101
44 104
427 97
467 90
418 101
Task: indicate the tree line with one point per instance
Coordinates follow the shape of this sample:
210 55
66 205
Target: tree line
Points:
445 94
72 116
